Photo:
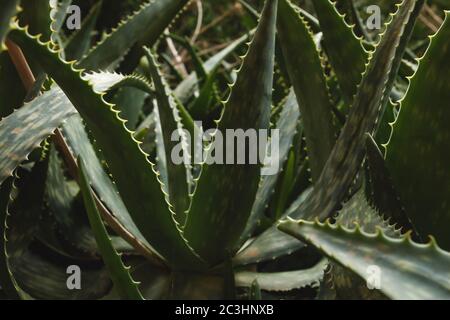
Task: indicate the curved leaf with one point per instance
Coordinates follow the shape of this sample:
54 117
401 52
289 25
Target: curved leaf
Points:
213 226
409 271
308 79
283 281
146 24
418 154
23 131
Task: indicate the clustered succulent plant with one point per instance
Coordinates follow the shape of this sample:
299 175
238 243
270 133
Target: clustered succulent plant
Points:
87 179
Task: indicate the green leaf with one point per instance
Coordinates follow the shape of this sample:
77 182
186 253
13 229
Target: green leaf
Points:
214 226
9 10
418 151
23 131
343 48
124 284
409 271
133 173
306 74
178 175
283 281
146 24
348 152
7 281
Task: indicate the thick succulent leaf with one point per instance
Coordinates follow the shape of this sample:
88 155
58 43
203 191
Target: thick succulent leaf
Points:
138 184
215 222
23 130
124 284
348 152
358 212
7 281
106 81
307 77
8 12
287 124
418 152
382 193
343 48
283 281
178 175
78 44
148 23
409 271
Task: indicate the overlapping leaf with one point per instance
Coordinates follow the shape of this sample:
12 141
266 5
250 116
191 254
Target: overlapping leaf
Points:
215 222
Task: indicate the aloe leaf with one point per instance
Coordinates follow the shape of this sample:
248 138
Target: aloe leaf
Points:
78 44
9 10
178 175
107 81
420 143
283 281
343 47
124 284
248 107
348 152
26 128
384 196
409 271
147 23
7 281
287 125
358 212
138 184
306 74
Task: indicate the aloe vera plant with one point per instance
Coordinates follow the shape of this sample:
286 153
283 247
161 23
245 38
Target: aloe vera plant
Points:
94 206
